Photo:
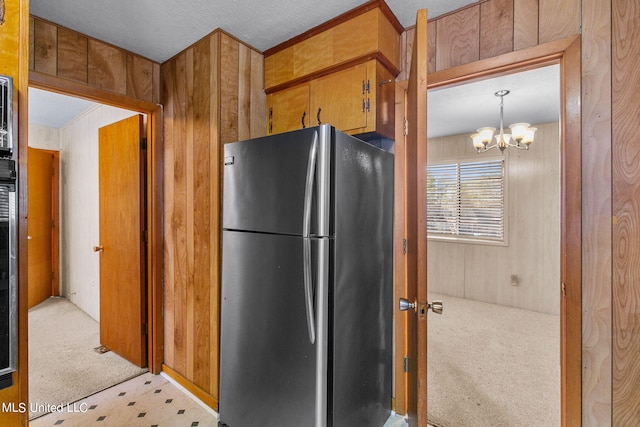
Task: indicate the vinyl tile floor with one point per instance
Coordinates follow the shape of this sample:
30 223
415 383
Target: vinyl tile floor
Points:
146 401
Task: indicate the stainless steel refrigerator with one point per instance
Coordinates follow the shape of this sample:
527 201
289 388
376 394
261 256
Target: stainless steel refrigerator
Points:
306 318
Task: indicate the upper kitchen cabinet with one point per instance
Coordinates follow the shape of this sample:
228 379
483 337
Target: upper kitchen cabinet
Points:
342 73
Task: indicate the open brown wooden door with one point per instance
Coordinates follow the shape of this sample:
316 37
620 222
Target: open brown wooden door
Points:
42 225
415 217
122 247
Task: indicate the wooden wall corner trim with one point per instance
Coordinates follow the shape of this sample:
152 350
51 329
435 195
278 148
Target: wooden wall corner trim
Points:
206 398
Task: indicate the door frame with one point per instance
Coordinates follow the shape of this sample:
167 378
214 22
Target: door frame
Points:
153 201
567 53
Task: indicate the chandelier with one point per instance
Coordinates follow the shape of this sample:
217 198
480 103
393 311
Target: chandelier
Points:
521 135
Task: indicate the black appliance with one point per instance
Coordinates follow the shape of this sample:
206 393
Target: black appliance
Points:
8 238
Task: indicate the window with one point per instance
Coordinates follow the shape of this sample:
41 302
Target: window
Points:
465 200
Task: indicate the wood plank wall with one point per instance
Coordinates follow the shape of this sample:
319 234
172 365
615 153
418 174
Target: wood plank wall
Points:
597 241
626 212
611 188
59 52
493 27
212 93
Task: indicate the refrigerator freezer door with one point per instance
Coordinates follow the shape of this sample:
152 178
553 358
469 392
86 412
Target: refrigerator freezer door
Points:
268 364
363 291
265 182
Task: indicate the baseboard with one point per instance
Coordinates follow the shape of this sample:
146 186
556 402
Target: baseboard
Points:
208 401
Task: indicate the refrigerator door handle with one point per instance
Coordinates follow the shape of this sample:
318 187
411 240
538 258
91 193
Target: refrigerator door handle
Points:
306 234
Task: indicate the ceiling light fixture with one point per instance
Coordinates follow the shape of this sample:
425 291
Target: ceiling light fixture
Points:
521 135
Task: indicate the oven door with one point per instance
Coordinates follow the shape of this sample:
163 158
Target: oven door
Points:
8 281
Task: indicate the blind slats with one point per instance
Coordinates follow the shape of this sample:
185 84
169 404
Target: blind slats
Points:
466 199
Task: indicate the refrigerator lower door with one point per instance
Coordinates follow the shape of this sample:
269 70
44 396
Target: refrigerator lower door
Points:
267 361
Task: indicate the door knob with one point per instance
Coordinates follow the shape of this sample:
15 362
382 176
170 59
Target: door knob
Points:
406 305
98 248
436 307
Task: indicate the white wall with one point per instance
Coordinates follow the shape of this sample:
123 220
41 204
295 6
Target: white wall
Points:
44 137
79 214
483 272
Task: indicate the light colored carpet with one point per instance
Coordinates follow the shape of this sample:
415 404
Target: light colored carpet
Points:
63 366
490 365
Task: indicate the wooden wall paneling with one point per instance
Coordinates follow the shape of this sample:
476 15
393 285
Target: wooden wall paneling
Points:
432 41
32 35
139 77
496 28
66 54
458 38
201 212
258 99
525 23
189 216
72 55
168 87
45 47
597 235
244 92
156 85
207 90
558 19
215 214
179 216
625 61
229 56
107 66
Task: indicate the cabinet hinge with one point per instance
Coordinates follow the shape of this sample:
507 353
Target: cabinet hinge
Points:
366 87
270 112
366 105
406 364
145 236
143 143
145 329
405 126
563 288
404 246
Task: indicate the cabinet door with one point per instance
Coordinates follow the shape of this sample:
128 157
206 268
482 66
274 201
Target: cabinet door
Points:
288 109
339 99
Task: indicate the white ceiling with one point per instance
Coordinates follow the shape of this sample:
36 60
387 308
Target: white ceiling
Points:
534 98
159 29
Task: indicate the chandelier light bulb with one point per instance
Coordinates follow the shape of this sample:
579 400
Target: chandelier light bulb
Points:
521 135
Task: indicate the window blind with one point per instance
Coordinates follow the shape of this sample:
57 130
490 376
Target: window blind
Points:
466 199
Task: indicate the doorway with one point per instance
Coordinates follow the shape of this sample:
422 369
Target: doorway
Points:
494 259
75 357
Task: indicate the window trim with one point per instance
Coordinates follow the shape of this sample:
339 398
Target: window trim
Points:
452 238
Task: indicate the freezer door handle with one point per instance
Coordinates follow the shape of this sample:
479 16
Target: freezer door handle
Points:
306 235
